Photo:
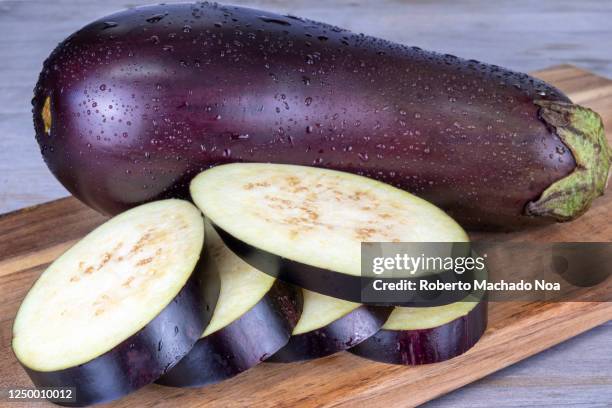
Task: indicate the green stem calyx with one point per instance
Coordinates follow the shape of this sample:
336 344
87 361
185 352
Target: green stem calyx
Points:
581 130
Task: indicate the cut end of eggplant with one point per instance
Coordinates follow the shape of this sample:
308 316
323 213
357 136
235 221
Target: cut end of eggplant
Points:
108 286
306 224
582 131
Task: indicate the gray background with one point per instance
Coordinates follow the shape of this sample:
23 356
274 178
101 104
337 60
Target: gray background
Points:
522 35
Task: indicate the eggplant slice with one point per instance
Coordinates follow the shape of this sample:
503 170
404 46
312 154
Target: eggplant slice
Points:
305 225
329 325
423 335
121 306
254 318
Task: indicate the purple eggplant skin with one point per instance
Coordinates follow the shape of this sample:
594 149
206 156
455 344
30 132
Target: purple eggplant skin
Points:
132 106
242 344
146 355
342 334
426 346
339 285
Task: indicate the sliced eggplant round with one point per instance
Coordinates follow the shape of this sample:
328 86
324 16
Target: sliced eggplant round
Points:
120 307
329 325
423 335
305 225
254 318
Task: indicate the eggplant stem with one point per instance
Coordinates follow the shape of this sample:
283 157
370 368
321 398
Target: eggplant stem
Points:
582 131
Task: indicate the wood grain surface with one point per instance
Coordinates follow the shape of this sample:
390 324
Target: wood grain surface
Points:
33 237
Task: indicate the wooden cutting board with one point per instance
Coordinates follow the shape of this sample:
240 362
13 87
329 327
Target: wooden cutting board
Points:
33 237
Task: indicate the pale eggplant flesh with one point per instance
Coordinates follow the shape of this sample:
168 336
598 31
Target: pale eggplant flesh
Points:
140 359
306 225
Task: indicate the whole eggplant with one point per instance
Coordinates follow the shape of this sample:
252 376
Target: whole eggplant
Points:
132 106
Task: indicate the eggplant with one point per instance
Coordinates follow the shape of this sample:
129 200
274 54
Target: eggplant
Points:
425 335
119 308
254 318
131 107
329 325
305 225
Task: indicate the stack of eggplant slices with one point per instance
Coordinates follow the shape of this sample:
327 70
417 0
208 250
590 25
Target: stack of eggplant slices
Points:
260 270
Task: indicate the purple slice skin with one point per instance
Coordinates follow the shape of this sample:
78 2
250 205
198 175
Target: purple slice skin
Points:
146 355
140 106
426 346
335 284
341 334
244 343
